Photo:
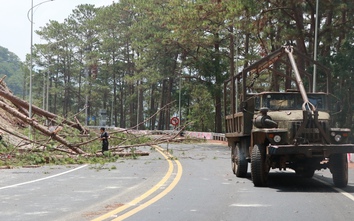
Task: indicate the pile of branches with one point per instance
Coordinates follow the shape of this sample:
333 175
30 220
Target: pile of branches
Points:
18 108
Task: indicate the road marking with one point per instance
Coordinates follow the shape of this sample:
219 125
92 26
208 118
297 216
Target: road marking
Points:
113 213
249 205
348 195
44 178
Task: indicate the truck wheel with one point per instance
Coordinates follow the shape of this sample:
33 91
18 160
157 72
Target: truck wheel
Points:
239 162
259 169
339 169
233 157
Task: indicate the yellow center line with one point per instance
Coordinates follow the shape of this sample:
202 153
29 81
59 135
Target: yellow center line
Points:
149 192
156 198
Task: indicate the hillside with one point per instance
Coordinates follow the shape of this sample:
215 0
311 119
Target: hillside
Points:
13 69
9 124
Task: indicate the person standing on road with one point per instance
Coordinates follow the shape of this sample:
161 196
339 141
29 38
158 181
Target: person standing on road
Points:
104 137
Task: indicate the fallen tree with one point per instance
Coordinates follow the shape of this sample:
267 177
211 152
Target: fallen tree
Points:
18 109
23 105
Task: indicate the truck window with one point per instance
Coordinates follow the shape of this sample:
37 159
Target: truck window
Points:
317 101
291 101
279 101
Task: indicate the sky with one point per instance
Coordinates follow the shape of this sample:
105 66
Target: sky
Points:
15 27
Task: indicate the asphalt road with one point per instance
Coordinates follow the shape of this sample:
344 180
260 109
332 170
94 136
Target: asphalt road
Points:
193 182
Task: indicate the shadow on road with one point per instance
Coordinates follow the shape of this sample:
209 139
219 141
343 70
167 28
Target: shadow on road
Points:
291 182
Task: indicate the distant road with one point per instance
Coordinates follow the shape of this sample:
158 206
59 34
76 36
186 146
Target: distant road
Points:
150 188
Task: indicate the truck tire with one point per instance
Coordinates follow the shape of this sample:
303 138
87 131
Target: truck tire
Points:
259 168
233 158
339 169
239 162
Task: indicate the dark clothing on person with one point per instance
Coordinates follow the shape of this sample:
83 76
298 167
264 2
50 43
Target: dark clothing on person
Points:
104 138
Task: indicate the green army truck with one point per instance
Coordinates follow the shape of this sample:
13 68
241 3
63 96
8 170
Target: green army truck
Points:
272 122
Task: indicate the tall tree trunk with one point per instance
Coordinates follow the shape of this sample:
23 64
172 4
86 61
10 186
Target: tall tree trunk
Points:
122 121
141 107
152 107
114 106
343 32
66 92
55 94
326 52
299 21
219 82
162 113
300 38
132 115
79 100
167 101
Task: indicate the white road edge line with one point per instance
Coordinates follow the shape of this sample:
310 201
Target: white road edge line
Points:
350 196
44 178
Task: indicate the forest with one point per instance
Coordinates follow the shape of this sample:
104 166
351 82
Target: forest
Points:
126 61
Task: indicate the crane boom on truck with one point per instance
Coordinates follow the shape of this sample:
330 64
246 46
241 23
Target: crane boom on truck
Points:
276 123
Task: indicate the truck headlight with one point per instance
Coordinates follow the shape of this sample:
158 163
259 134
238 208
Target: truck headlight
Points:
277 138
338 138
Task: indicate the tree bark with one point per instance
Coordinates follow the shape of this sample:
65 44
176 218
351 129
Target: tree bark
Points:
18 102
39 127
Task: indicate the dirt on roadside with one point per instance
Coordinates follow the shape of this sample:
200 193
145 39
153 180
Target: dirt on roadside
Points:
218 142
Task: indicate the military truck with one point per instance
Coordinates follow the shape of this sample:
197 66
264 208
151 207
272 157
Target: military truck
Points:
272 122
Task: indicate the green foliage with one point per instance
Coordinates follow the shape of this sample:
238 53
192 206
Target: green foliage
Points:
12 68
343 70
103 57
201 111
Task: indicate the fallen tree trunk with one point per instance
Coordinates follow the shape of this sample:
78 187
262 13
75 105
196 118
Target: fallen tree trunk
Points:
39 127
50 116
18 108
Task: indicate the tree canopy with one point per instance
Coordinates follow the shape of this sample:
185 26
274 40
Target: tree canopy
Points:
123 62
12 68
